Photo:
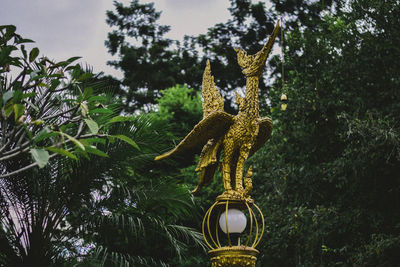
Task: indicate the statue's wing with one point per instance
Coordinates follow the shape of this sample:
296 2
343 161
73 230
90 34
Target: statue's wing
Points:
212 100
214 125
264 132
208 162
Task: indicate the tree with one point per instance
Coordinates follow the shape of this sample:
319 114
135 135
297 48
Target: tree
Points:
150 63
332 183
48 109
179 108
136 218
49 215
328 178
94 212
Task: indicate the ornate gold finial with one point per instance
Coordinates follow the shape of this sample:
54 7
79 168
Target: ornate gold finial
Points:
240 137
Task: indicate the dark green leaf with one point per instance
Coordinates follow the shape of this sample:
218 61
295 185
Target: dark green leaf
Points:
97 98
127 139
72 59
74 140
22 41
87 92
44 134
121 119
28 95
54 83
33 54
95 151
61 151
35 77
101 111
76 72
85 76
10 31
17 96
95 140
23 50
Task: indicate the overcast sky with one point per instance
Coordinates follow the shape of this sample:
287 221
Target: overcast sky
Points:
66 28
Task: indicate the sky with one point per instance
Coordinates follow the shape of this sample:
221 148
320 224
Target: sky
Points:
67 28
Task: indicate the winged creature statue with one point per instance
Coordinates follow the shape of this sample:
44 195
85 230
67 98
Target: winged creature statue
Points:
239 136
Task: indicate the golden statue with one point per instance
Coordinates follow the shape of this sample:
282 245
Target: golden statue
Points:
240 136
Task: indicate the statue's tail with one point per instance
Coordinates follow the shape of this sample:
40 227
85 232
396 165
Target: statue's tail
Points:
248 182
206 176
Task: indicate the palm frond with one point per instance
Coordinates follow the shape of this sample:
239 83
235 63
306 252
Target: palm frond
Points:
102 257
188 234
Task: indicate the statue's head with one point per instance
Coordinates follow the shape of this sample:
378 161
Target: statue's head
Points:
243 59
253 65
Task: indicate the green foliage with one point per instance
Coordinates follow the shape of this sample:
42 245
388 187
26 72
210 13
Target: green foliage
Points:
102 212
138 216
180 109
179 99
92 205
151 64
327 181
47 108
154 62
329 173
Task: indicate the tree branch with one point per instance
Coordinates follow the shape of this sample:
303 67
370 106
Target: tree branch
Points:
14 154
5 145
30 166
35 164
24 145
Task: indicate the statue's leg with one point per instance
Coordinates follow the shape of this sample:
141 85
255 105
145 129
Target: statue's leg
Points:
244 154
226 164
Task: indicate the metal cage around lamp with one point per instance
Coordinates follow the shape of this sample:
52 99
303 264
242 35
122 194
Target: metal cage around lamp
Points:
224 226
